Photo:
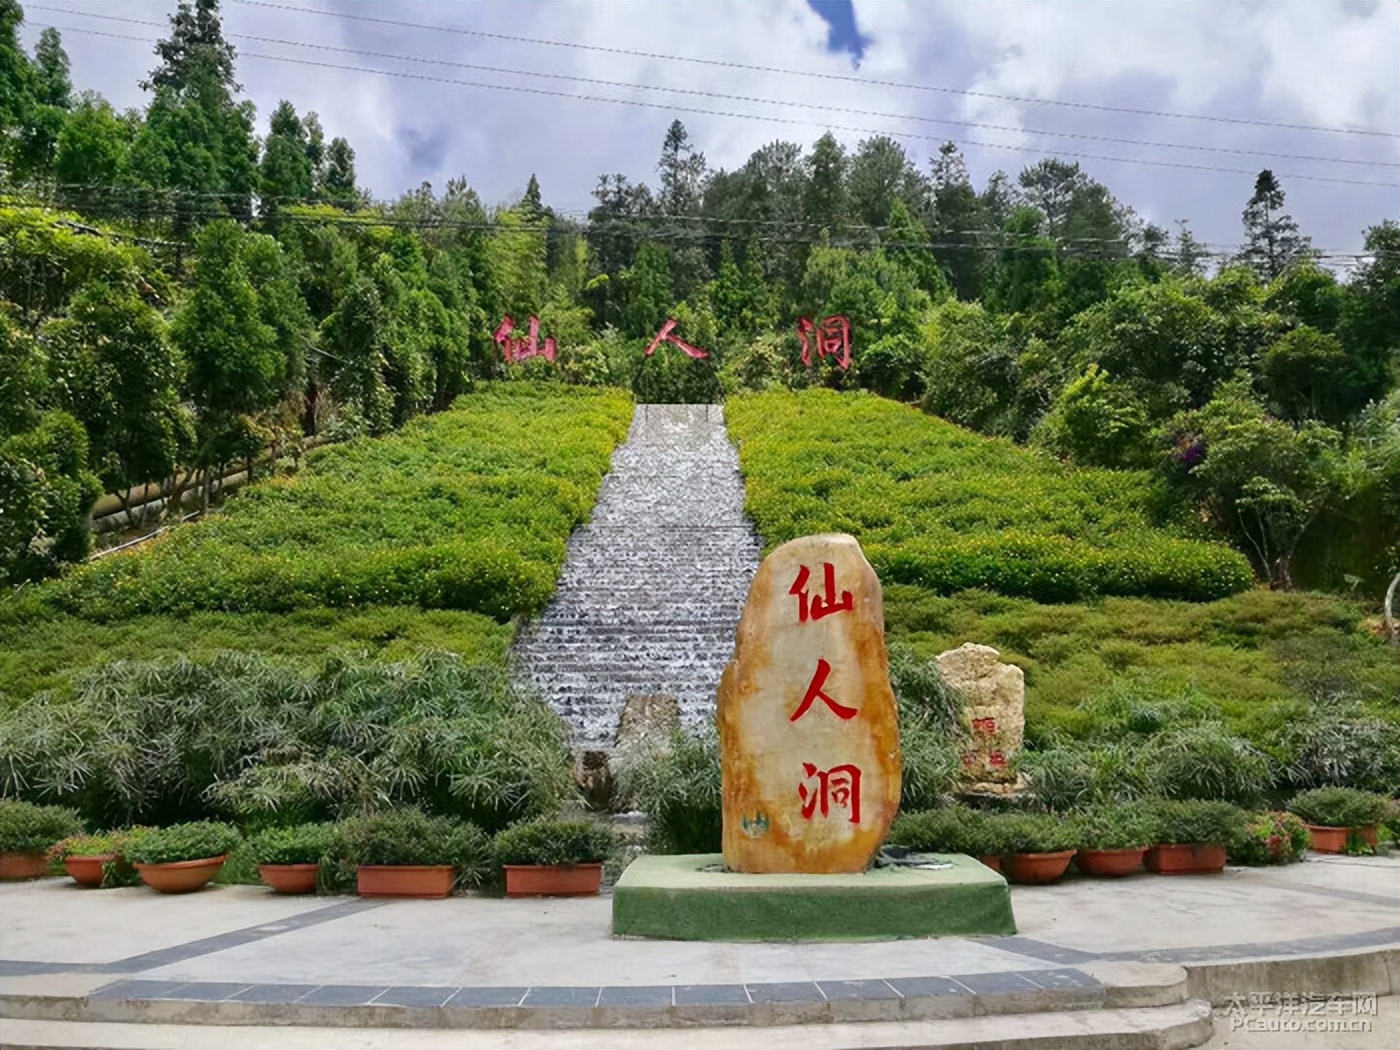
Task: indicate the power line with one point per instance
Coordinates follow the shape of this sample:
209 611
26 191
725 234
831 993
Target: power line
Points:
820 76
525 89
361 52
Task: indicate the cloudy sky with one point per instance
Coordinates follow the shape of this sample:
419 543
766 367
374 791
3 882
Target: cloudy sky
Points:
427 90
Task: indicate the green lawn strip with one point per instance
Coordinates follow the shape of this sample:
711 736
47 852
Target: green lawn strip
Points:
34 657
470 509
941 507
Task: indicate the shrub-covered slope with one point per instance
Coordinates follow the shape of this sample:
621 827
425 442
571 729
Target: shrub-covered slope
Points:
467 512
940 507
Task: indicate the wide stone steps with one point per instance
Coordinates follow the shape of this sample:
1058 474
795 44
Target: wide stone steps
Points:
654 584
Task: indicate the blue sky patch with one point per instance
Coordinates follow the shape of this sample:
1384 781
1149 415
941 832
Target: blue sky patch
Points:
840 16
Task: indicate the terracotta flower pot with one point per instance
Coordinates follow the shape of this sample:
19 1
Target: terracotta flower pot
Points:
24 865
1328 839
1032 868
181 876
405 880
1187 858
992 861
564 880
1110 863
289 878
87 870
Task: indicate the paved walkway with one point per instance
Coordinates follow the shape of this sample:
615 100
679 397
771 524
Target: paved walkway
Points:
243 936
654 583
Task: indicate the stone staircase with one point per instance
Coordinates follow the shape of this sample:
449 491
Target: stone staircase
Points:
654 584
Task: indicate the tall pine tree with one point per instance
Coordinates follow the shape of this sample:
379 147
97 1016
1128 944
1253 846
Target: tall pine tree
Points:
1272 241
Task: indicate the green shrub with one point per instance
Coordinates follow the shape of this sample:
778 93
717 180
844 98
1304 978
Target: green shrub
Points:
930 731
1116 827
946 510
950 829
554 842
302 844
678 788
1206 762
1069 777
1339 743
27 828
113 842
1339 807
1271 838
1194 821
245 736
1032 832
196 840
408 836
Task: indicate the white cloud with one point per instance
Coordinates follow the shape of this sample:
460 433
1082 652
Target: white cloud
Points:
1324 63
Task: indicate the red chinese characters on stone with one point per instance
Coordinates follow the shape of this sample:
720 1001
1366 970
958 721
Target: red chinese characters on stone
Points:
819 605
665 336
838 786
516 350
985 726
814 693
996 760
833 339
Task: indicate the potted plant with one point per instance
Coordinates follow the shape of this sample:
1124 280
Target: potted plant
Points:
182 857
1113 839
1192 836
554 857
86 857
1336 815
1036 847
289 858
1271 838
26 833
405 853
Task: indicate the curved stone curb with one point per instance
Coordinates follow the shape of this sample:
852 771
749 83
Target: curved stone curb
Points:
661 1006
1352 973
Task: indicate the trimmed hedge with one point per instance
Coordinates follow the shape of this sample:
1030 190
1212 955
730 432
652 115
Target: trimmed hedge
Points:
944 509
470 509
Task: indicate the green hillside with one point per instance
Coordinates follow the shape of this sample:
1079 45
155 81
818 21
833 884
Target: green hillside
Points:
1062 569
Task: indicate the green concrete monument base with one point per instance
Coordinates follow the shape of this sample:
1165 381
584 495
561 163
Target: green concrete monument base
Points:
690 898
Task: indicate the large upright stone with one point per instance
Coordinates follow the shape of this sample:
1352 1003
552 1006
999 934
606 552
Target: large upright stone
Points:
809 732
994 709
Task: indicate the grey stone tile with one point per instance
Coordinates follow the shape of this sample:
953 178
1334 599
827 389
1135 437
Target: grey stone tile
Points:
857 990
273 993
208 991
414 995
344 994
1061 978
995 983
137 990
710 994
487 997
922 987
637 995
1040 949
562 996
786 992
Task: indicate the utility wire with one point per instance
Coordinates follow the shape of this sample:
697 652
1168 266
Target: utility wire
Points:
364 53
809 73
402 74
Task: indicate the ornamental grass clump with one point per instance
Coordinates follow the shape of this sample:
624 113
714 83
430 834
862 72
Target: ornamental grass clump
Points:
27 828
1339 807
247 737
1205 762
554 842
677 785
950 829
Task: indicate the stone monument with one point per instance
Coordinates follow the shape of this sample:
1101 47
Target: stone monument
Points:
994 711
808 729
810 766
